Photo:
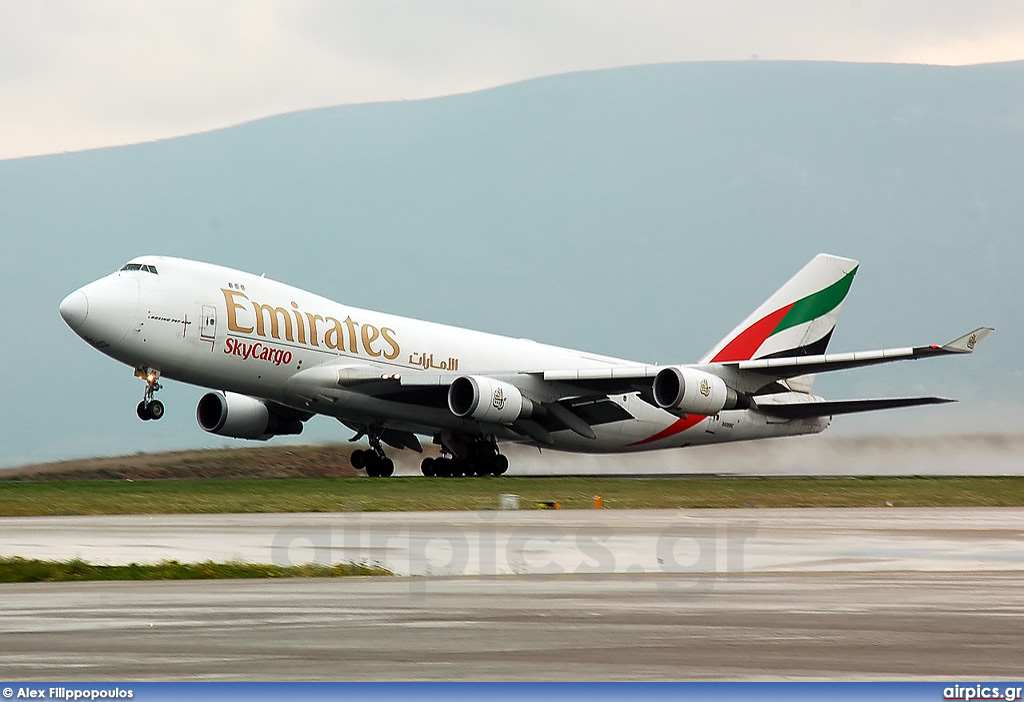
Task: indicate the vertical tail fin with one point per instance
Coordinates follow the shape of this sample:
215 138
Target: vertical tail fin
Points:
798 320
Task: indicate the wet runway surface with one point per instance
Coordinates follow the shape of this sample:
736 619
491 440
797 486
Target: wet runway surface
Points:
548 542
594 627
653 595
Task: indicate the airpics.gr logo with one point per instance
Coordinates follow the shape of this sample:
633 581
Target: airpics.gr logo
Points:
498 401
981 692
705 387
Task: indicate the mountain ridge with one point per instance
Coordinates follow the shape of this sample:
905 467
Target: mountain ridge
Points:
639 212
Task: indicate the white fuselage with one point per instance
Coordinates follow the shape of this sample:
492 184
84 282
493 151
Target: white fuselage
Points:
224 329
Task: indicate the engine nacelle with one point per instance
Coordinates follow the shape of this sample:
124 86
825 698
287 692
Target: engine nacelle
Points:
242 417
487 400
680 389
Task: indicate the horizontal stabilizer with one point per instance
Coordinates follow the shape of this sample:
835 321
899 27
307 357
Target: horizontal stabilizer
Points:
801 410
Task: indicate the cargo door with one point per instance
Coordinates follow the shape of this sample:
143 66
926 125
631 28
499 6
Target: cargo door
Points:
208 327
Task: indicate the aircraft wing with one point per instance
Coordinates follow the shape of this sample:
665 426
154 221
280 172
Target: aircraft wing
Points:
788 367
577 399
759 379
756 375
801 409
557 407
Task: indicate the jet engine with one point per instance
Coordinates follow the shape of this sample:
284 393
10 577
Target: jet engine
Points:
685 390
487 400
242 417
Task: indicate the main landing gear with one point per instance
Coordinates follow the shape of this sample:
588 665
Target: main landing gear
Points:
375 461
461 455
481 458
149 408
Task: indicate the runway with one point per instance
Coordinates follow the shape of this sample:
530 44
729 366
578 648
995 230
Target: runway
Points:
596 627
537 542
736 594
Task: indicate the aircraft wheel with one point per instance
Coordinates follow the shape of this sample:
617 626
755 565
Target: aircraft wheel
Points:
373 469
143 412
378 466
500 464
358 459
155 409
427 467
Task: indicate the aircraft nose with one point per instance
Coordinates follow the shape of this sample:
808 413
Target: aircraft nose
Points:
103 311
74 309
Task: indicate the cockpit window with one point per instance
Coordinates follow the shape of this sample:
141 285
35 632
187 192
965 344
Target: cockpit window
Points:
139 267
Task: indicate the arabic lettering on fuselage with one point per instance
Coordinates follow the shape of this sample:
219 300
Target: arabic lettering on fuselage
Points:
301 327
426 361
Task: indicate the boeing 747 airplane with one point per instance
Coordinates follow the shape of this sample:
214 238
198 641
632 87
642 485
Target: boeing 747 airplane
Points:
274 356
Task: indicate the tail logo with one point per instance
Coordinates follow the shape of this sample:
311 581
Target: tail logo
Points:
971 342
747 342
705 387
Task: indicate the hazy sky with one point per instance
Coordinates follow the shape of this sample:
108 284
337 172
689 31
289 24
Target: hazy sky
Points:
77 75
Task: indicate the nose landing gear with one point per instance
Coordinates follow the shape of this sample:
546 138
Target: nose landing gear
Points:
149 408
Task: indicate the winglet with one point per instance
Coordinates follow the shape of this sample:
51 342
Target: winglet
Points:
968 342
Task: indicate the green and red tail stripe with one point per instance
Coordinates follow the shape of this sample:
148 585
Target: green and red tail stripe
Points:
748 341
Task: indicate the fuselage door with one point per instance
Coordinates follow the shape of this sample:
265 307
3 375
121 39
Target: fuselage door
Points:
208 329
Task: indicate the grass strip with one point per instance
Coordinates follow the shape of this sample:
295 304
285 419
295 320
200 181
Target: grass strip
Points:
96 497
30 570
